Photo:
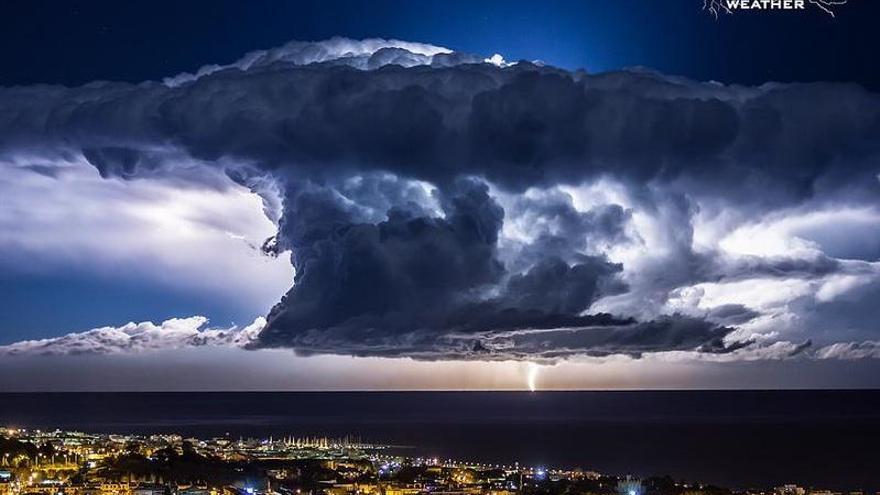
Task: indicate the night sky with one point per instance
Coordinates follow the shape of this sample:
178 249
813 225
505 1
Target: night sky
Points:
73 43
655 198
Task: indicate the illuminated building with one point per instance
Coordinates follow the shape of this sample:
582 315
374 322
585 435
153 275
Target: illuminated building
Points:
629 486
70 463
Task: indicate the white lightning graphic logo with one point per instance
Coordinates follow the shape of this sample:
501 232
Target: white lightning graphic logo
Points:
717 7
828 5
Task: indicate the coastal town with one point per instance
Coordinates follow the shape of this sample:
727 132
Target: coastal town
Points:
36 462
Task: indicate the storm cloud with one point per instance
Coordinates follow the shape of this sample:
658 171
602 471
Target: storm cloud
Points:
439 205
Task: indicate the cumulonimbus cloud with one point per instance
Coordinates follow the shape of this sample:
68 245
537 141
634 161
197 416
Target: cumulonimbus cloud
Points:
437 205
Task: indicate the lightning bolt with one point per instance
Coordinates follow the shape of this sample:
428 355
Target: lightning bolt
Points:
532 377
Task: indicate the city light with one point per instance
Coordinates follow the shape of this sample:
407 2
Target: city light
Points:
75 463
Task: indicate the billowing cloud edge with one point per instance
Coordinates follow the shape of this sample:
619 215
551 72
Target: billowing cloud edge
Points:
175 333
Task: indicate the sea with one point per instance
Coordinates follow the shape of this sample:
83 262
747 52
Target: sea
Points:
737 439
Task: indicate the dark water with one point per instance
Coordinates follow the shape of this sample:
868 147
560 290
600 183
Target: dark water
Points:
738 439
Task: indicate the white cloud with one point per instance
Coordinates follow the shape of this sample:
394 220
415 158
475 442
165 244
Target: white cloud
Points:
772 351
804 233
835 286
780 303
63 214
868 349
762 294
133 337
344 51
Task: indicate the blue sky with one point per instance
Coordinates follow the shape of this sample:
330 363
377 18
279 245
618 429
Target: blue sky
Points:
141 40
